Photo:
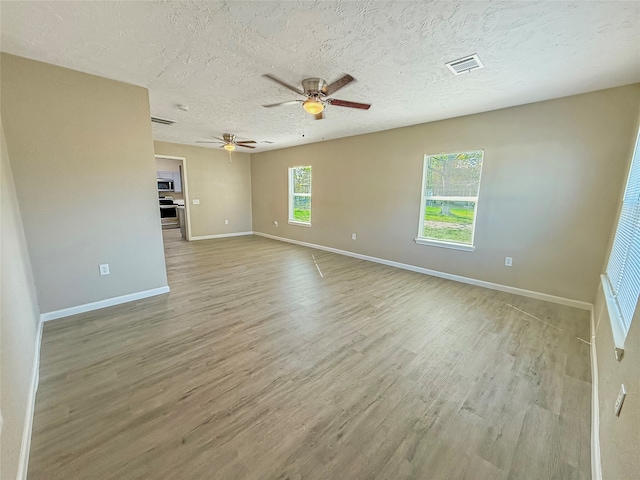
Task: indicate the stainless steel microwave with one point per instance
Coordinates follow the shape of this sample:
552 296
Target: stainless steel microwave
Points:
165 185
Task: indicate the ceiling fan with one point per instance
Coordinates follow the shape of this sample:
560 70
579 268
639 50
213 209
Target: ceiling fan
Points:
317 92
229 142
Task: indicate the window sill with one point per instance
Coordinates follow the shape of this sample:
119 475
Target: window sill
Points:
300 224
617 326
454 246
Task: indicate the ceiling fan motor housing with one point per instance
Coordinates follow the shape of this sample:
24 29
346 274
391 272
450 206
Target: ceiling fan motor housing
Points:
314 87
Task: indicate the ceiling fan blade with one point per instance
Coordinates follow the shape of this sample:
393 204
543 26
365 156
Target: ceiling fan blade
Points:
246 141
245 146
284 84
208 141
319 116
338 84
345 103
290 102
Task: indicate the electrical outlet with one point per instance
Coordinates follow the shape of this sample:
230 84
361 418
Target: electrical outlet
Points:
196 201
353 236
226 222
275 222
104 269
620 400
508 261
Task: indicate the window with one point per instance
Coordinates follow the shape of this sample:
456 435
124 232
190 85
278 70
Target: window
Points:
622 280
450 187
300 196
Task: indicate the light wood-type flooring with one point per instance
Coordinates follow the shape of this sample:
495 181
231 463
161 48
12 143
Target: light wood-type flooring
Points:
257 367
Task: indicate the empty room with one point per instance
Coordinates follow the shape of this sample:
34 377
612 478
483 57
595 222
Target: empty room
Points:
320 240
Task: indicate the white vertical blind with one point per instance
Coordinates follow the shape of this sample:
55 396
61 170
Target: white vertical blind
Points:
623 269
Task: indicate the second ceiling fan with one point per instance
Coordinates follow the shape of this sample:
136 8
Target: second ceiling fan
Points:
229 142
317 92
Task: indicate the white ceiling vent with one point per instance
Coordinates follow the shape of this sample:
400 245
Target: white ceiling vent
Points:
465 64
163 121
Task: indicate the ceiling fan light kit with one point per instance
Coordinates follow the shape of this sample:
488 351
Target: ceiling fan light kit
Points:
312 106
229 146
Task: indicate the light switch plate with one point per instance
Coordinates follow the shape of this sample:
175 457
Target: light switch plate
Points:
508 261
104 269
196 201
620 400
353 236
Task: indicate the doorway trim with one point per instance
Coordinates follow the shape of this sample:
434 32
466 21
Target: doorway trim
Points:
185 189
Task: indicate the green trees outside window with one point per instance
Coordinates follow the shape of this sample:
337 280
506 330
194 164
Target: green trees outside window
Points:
300 194
450 188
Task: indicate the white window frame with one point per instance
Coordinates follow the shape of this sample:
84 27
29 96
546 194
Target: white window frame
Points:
292 194
621 281
420 239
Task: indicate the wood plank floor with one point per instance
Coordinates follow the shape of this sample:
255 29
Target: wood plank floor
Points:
256 367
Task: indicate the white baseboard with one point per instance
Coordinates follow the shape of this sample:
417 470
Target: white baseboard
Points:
109 302
23 462
596 465
457 278
221 235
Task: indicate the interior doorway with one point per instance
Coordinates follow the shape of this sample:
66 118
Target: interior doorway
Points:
173 194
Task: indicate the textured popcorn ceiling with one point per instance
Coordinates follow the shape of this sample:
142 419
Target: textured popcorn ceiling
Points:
211 55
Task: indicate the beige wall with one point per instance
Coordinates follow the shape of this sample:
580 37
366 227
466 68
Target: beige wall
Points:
223 188
550 188
83 164
18 321
619 436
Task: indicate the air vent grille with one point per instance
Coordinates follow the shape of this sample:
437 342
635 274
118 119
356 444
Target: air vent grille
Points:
266 141
465 64
163 121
